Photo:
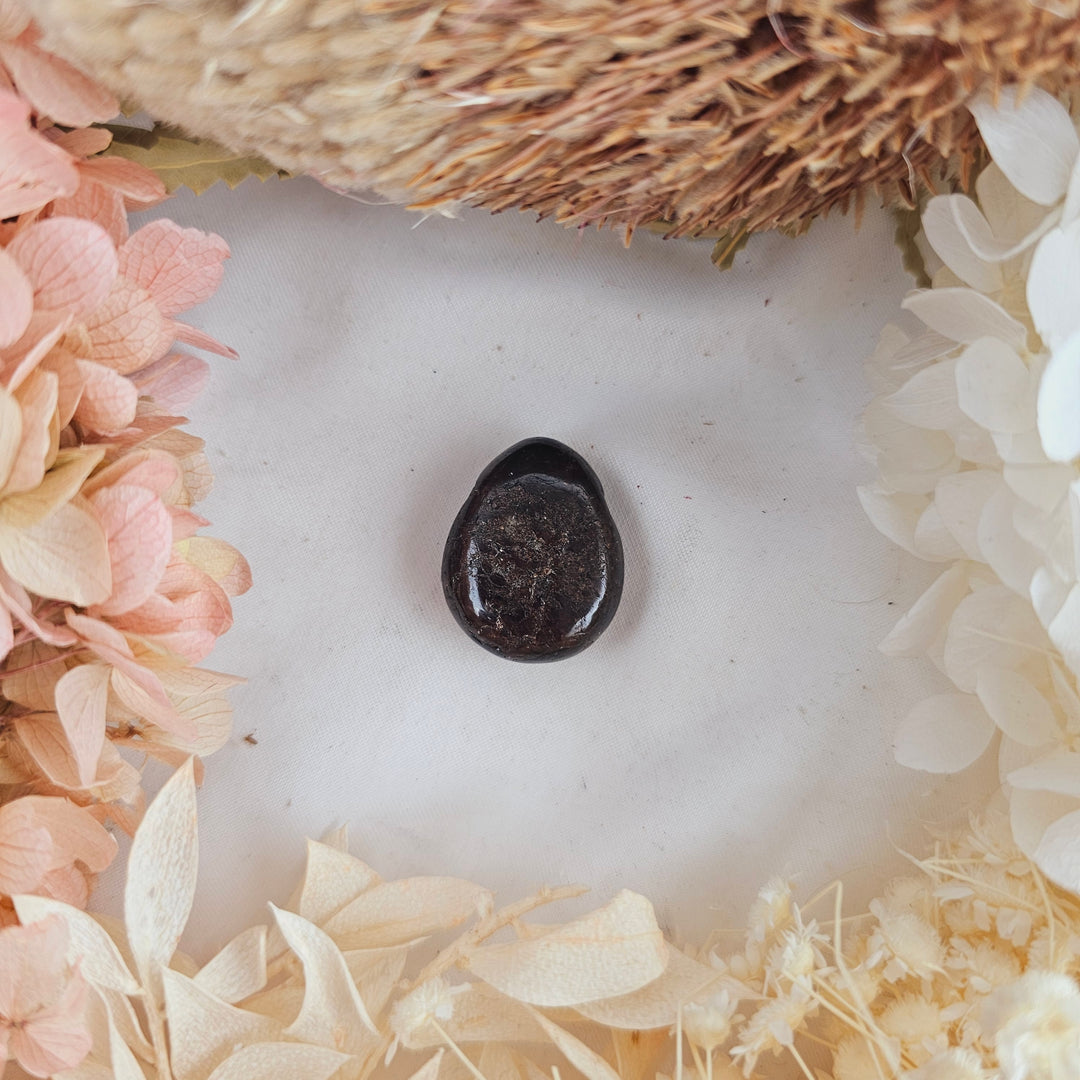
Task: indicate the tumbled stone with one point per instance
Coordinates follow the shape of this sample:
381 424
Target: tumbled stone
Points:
533 566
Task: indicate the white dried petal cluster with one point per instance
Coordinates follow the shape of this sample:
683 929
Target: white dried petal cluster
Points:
975 431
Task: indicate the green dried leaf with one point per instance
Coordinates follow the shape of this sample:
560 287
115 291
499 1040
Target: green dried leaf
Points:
727 247
908 224
182 161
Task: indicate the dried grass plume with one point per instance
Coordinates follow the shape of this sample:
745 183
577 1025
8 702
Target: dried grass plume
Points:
706 114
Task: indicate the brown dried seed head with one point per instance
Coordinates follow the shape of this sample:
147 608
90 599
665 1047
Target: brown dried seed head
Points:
704 114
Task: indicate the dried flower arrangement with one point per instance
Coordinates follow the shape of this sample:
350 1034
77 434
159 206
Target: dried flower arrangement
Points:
731 115
966 970
108 594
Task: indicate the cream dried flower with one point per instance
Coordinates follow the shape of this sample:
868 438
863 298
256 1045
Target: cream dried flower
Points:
708 1023
858 1059
905 943
772 1028
915 1021
796 955
772 908
1034 1026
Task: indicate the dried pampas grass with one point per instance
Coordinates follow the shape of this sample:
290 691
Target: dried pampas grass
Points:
735 115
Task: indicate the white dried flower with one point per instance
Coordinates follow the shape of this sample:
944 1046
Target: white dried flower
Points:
917 1023
976 435
772 1027
1034 1026
856 1059
772 908
984 965
708 1023
905 943
796 955
954 1064
431 1000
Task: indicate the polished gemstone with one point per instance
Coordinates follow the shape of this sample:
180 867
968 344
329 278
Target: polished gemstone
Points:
533 566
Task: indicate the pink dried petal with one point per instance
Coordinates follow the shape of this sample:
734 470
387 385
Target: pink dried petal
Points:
194 337
178 267
128 332
102 639
76 836
65 366
14 598
16 300
136 183
25 850
83 142
13 19
71 264
185 523
68 884
108 400
99 204
54 87
33 171
56 1037
81 697
45 330
33 968
187 614
151 469
139 531
110 645
7 633
174 381
144 428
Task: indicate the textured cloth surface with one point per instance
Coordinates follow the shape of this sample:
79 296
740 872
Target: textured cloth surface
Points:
735 719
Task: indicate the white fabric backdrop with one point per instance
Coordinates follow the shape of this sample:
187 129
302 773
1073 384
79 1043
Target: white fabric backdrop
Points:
735 719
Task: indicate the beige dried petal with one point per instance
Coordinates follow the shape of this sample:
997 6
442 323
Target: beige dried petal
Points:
162 869
127 1023
204 1031
282 1004
34 684
497 1063
332 1013
589 1063
430 1069
614 950
278 1060
332 878
473 1013
239 969
400 911
376 973
121 1058
657 1003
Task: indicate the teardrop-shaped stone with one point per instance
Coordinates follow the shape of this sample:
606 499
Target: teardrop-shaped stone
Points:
533 566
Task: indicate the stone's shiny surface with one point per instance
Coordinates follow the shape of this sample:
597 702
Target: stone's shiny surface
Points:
533 566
